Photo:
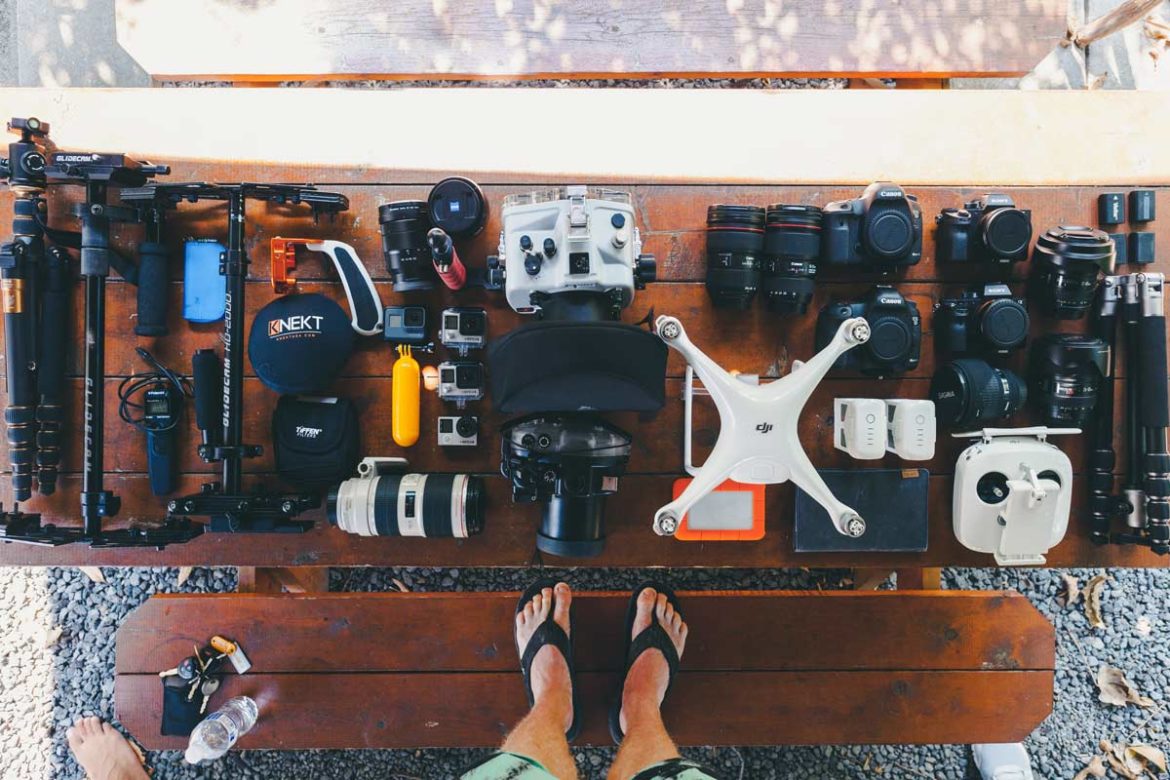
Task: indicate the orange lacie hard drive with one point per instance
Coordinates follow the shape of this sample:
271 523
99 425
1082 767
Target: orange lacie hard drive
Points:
732 512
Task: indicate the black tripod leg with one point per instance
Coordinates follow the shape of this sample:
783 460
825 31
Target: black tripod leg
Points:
54 327
1154 412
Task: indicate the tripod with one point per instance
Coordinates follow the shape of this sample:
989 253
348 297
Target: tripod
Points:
219 394
35 283
1144 501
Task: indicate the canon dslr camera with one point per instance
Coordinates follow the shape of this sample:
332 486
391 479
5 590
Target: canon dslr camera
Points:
989 229
882 228
987 321
895 327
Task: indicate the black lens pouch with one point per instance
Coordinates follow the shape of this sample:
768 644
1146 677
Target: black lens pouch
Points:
315 440
179 716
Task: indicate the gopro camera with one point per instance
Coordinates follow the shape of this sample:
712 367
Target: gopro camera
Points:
461 381
463 329
405 325
459 431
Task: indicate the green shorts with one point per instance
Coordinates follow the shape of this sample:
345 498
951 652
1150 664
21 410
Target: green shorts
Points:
510 766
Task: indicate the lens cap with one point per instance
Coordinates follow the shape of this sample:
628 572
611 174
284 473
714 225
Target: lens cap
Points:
1007 232
457 206
1004 324
889 339
889 233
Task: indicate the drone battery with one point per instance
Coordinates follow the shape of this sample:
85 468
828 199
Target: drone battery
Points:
892 501
204 287
732 512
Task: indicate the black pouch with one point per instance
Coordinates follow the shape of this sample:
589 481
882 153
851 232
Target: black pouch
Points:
315 440
179 716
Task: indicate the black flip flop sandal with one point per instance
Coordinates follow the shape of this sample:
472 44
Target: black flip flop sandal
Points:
547 633
652 637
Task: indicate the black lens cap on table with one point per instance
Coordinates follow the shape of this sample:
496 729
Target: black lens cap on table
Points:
457 205
299 343
1007 232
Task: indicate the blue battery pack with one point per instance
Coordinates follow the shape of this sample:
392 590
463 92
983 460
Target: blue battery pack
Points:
204 287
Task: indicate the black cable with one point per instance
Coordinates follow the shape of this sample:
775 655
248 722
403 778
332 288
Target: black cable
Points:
161 377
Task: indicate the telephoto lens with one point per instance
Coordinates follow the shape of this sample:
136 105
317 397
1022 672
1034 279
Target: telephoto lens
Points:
969 391
405 224
1067 265
792 244
384 500
1067 372
735 244
571 463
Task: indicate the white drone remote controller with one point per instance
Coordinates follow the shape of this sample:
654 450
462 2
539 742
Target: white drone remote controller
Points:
758 442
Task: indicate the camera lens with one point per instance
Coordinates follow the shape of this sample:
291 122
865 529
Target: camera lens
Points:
792 244
1003 323
1067 371
1067 266
735 242
570 463
968 391
429 505
458 207
1006 233
404 244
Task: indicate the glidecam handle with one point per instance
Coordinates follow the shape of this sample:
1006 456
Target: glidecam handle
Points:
56 302
365 306
152 289
208 375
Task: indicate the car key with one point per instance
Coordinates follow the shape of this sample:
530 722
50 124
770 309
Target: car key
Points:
185 670
209 686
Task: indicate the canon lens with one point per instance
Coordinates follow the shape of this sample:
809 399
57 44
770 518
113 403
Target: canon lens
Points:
1067 265
735 243
1067 371
405 224
792 244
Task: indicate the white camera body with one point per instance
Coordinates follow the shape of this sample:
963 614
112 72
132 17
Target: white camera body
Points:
1013 492
565 240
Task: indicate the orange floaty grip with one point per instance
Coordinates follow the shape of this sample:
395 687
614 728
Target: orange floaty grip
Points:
404 403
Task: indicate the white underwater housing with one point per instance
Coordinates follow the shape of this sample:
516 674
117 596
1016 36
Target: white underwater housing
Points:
1013 491
570 253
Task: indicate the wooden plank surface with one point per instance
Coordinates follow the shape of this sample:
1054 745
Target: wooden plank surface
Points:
673 218
382 670
921 630
314 39
953 137
300 712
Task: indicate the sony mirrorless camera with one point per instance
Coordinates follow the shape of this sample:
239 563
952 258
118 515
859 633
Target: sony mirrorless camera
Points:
989 229
981 322
895 327
882 228
570 254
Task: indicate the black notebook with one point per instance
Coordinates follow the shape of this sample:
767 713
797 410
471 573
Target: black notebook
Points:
893 503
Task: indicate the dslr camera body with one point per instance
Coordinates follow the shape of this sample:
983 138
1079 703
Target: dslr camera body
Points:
882 228
981 322
895 327
570 254
989 229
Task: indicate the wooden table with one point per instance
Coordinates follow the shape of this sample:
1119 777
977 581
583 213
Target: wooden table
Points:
671 211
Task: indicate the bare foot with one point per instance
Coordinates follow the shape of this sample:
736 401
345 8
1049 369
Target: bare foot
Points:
103 753
551 684
648 678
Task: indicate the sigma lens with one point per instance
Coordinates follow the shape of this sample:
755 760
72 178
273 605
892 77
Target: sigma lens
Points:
1067 266
405 224
398 504
735 243
970 391
792 244
1067 371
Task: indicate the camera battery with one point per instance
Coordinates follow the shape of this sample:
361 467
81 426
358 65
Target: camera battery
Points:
1111 208
1141 206
1141 248
1120 247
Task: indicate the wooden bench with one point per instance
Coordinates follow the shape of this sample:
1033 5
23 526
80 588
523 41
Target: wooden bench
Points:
313 40
761 668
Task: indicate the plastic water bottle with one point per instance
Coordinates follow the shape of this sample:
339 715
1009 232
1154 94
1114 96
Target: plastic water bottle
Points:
215 734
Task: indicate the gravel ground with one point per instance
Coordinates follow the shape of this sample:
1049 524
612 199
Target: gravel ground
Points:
57 655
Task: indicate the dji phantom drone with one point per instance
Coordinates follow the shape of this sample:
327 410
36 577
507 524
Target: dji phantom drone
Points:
758 442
